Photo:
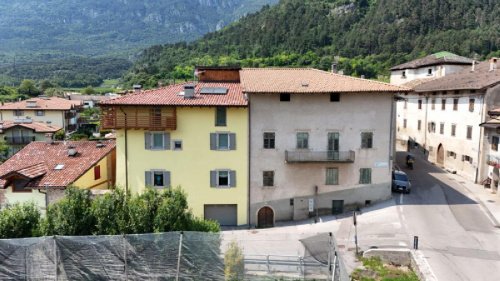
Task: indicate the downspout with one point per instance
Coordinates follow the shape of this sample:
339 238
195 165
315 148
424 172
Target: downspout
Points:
249 162
392 133
425 122
481 136
126 150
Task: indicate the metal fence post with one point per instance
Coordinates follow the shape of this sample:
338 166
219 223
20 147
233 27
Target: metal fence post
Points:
179 257
125 256
55 257
329 255
267 263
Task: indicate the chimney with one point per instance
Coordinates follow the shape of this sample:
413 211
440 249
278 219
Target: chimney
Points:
493 64
189 91
362 76
473 66
137 89
72 151
334 68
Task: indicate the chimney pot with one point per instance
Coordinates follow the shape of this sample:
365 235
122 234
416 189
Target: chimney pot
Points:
493 64
334 68
189 91
137 89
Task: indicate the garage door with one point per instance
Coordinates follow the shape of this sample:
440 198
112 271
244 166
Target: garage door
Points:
226 215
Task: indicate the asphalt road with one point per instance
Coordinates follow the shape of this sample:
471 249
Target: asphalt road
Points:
455 235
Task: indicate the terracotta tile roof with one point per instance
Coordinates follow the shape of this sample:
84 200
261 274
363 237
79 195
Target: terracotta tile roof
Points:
37 161
49 103
434 59
308 80
466 79
415 82
170 96
38 127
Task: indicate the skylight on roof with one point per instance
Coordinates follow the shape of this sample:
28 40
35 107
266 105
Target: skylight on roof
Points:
59 167
214 91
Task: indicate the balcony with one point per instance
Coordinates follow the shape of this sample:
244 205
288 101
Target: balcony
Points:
164 118
319 156
19 140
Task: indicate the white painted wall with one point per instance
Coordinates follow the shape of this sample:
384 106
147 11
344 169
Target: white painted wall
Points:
423 73
314 113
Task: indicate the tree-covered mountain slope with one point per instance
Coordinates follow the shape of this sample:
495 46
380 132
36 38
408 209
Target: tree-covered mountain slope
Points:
368 35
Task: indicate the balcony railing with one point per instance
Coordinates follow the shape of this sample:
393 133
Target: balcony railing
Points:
141 118
19 140
319 156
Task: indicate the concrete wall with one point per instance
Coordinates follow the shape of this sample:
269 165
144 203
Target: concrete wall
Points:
315 114
422 73
190 167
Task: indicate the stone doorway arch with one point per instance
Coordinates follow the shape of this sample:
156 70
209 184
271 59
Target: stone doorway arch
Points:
265 217
440 155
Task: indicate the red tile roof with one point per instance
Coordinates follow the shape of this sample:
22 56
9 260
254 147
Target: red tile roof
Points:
308 80
38 127
170 96
49 103
37 162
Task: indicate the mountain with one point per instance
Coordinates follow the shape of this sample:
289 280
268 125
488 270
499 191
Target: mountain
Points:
368 35
33 32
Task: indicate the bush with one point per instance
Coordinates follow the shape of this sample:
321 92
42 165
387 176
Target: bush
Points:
172 213
70 216
110 213
60 135
234 263
202 225
19 221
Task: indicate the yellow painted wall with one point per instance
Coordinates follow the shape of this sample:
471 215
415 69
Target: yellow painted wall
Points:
23 197
55 116
190 168
87 179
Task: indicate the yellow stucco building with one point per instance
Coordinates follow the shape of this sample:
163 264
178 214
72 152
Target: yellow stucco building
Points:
190 135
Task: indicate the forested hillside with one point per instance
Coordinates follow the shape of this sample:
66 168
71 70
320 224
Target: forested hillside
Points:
368 35
36 35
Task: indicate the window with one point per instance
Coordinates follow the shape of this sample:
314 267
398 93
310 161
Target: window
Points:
403 74
419 125
334 97
365 176
220 116
367 140
431 127
157 140
455 104
223 141
452 154
471 105
441 128
223 178
429 72
443 104
39 112
433 104
466 158
268 178
97 172
469 132
18 113
157 178
302 140
332 176
419 104
177 145
284 97
494 143
453 129
269 140
404 123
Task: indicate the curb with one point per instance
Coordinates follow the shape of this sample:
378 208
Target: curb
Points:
483 206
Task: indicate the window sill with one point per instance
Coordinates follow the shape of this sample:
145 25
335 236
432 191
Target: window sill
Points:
222 187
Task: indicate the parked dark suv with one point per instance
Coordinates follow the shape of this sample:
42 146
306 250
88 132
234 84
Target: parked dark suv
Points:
400 182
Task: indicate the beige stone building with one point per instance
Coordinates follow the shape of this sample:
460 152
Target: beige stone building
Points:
319 142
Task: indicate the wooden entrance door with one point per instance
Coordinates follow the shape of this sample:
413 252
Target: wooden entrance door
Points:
440 155
265 217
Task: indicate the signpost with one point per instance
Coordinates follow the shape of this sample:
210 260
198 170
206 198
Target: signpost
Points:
355 231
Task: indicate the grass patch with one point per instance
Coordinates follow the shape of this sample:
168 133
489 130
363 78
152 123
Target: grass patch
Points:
374 270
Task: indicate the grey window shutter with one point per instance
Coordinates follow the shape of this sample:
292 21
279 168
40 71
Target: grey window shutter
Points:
213 141
232 178
213 178
166 178
149 178
232 141
166 141
147 140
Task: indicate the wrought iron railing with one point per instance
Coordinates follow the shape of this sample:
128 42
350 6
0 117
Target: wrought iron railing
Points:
319 156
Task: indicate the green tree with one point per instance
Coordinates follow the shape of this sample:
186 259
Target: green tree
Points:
72 215
234 268
44 85
4 151
172 213
111 213
89 90
19 220
28 88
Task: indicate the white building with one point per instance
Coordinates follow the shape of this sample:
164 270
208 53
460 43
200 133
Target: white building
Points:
318 142
430 67
491 149
443 115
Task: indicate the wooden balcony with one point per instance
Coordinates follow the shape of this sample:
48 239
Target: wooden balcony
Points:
139 117
319 156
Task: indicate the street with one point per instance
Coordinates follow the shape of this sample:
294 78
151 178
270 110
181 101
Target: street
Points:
456 236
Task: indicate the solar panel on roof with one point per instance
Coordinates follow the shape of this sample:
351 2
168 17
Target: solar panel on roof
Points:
213 91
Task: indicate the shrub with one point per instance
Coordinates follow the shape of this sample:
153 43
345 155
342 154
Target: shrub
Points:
110 213
19 221
198 224
172 213
234 263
